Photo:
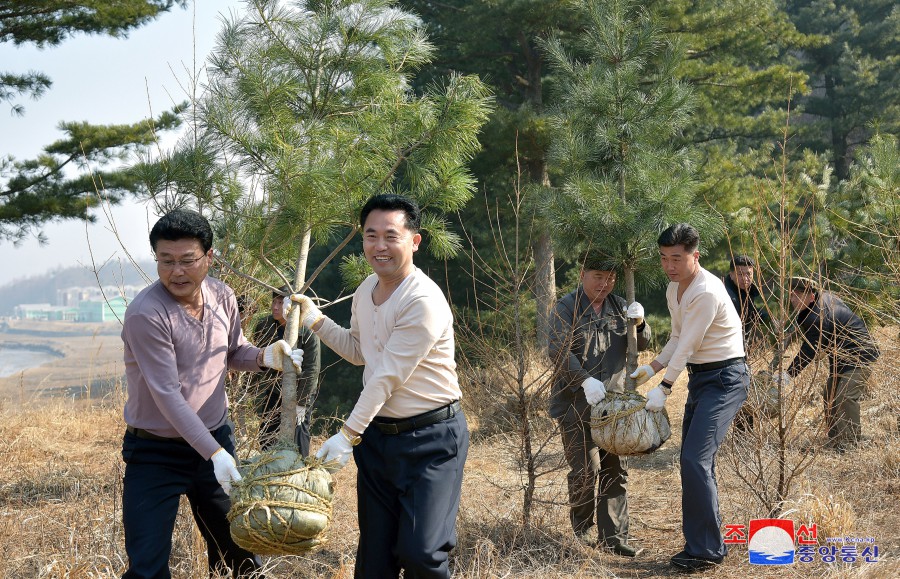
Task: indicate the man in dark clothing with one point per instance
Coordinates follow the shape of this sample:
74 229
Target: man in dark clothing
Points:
743 291
266 385
588 342
829 327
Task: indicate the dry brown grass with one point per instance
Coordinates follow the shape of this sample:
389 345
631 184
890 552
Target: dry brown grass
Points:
60 512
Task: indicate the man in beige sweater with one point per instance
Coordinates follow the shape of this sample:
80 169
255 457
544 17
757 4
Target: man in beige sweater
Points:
406 432
706 340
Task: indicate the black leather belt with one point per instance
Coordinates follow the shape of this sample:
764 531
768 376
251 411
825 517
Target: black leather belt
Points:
398 425
694 368
147 435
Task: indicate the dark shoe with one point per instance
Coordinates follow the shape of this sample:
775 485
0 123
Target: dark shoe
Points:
690 564
623 549
587 537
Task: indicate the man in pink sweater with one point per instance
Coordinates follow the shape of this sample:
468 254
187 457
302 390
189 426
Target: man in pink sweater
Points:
182 334
407 432
707 340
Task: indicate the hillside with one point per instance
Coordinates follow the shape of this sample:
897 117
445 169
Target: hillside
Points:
42 288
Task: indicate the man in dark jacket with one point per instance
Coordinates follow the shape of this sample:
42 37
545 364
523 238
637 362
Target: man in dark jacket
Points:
266 385
830 328
588 342
741 287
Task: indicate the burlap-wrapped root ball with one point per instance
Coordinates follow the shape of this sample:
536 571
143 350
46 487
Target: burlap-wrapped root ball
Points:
621 425
763 394
283 504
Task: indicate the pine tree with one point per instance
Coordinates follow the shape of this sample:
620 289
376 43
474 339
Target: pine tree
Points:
619 112
740 57
312 101
36 191
854 71
47 23
39 190
498 40
865 210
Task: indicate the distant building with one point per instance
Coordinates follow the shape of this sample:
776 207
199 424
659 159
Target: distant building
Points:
82 304
111 310
45 312
73 296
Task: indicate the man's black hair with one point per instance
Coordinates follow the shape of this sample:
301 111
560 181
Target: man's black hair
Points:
682 234
803 285
182 224
741 261
391 202
281 292
593 261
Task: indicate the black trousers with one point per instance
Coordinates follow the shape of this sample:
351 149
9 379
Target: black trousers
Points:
408 491
157 473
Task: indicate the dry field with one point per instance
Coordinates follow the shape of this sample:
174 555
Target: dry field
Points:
92 360
60 514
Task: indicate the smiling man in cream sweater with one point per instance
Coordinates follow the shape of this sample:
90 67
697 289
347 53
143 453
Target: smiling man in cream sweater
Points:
706 340
407 433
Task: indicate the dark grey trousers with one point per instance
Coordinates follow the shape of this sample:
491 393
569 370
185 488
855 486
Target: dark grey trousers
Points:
408 491
598 481
714 398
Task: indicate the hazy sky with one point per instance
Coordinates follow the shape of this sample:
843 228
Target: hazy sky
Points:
102 80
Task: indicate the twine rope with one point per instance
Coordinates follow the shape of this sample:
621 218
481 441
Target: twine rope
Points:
256 518
601 421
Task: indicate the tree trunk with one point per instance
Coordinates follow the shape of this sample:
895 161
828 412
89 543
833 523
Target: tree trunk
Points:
291 332
542 245
631 353
631 356
544 267
544 287
839 135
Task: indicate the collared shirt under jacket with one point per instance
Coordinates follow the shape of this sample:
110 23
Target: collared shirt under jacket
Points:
586 344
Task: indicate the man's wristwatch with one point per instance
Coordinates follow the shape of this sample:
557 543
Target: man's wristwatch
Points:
353 440
665 387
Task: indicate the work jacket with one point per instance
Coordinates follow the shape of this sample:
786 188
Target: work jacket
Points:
831 329
586 344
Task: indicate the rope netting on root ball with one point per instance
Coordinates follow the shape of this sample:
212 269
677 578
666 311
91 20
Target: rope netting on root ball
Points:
621 425
283 504
763 397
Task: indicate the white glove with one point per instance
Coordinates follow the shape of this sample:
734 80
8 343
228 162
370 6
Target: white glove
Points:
225 469
635 312
643 373
594 391
656 399
336 449
273 354
301 414
309 313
